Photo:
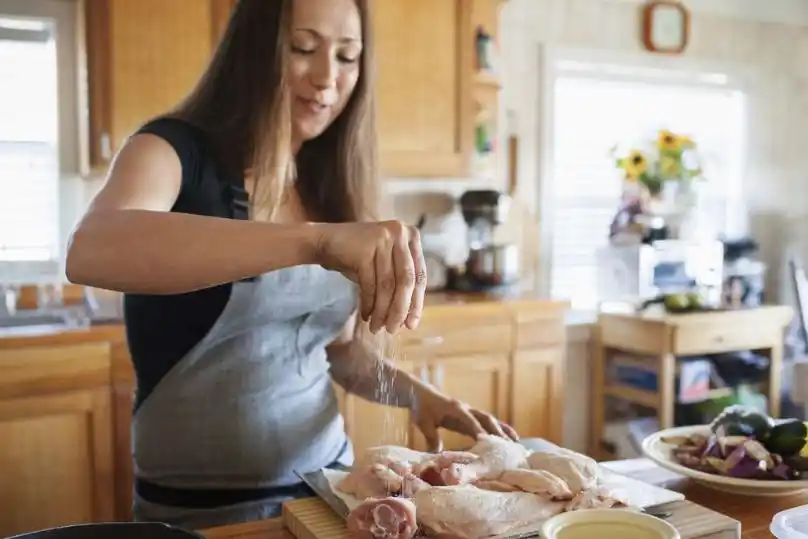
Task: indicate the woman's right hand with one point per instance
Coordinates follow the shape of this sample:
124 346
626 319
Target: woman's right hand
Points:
386 261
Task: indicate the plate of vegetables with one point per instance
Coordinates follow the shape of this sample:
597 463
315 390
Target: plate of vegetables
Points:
742 451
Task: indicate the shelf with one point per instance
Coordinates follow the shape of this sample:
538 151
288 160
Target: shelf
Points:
487 80
649 399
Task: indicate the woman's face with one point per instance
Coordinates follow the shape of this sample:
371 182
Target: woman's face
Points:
325 62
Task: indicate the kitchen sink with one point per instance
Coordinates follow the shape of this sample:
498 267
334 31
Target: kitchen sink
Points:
23 319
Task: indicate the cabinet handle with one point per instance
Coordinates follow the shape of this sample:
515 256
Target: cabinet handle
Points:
438 376
432 341
106 146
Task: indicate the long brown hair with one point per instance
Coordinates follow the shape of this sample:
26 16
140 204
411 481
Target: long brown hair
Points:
242 103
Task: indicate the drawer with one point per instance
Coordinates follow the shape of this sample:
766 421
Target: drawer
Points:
457 331
541 332
718 338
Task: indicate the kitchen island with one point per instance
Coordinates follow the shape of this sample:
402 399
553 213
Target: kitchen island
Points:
754 513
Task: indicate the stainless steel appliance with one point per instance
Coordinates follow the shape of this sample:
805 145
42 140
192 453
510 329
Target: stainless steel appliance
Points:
489 264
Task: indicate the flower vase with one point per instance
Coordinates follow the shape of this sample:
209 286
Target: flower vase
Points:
684 217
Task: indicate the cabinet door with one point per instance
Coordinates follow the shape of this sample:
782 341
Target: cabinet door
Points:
370 424
143 57
537 396
480 381
55 461
424 51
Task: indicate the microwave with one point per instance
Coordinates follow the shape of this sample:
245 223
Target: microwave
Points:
644 271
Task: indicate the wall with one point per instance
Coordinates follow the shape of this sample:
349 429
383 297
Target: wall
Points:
766 41
739 37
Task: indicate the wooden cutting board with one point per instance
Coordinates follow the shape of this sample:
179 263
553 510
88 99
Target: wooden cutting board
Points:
311 518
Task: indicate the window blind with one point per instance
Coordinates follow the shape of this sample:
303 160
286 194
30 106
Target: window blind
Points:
29 157
592 113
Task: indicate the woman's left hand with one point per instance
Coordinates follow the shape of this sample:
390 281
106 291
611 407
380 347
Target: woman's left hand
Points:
433 410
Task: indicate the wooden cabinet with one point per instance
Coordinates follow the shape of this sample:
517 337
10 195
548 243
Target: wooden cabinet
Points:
144 56
504 358
56 459
424 52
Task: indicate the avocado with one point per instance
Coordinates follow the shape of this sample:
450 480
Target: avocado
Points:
677 303
787 437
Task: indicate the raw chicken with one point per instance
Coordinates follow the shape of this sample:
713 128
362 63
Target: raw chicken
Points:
392 454
385 518
578 471
496 487
380 480
467 512
384 470
539 482
495 455
595 498
446 468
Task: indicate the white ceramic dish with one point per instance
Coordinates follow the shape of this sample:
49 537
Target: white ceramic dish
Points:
607 524
655 449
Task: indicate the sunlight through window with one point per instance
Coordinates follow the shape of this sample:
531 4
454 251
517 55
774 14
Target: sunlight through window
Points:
592 112
29 158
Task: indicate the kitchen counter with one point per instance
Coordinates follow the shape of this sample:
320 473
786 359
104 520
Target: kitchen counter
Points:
59 335
754 513
436 302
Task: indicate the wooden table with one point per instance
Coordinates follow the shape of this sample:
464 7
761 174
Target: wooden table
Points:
754 513
658 339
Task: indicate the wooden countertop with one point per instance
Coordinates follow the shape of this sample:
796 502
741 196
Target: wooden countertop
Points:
754 513
780 315
436 303
55 335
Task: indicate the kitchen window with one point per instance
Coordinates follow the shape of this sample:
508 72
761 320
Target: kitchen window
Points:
593 106
40 135
29 155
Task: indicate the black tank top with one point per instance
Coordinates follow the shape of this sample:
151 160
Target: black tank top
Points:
162 329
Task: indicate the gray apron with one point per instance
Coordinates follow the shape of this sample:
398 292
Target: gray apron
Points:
252 402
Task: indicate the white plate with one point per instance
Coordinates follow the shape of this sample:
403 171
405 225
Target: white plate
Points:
661 453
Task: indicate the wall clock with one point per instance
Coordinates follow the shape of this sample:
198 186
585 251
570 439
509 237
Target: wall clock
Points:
666 26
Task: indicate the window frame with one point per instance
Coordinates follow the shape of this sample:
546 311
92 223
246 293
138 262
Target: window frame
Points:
647 68
71 132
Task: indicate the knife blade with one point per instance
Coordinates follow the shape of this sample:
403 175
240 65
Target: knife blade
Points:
317 482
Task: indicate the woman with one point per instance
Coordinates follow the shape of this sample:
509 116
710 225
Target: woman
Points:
242 290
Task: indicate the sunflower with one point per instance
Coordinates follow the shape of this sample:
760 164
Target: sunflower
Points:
669 141
635 164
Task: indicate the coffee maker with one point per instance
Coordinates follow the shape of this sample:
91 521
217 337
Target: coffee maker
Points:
489 265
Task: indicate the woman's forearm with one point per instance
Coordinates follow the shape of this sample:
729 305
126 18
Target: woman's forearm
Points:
362 370
154 252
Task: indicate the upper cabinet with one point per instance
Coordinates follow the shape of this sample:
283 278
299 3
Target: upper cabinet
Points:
144 56
424 55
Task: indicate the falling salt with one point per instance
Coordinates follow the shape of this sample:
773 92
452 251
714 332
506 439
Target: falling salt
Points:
392 431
